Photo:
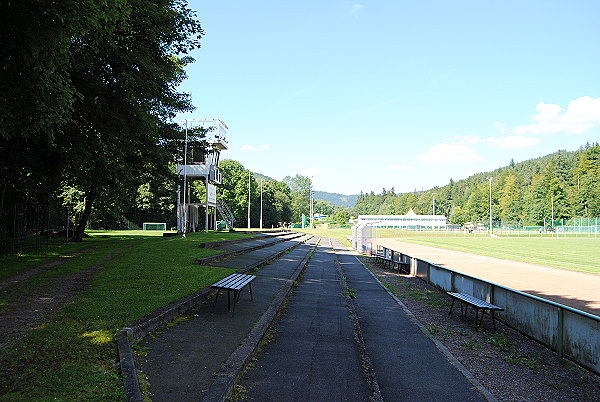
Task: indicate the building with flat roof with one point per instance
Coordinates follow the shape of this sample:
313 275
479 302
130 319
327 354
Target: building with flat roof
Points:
410 221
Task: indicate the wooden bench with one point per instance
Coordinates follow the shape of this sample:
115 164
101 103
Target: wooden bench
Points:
477 304
233 283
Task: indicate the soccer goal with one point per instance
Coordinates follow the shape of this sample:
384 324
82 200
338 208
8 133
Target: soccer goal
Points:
155 226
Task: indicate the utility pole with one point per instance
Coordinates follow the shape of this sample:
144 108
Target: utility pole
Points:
261 203
184 227
491 229
312 214
552 212
248 199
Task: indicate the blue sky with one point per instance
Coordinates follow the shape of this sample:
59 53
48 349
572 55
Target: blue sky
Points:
405 94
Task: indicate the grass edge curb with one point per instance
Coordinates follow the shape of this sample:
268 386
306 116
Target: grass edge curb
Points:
131 383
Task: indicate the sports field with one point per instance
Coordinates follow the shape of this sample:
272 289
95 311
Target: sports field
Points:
581 255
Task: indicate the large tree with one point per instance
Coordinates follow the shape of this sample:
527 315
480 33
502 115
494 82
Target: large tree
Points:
300 187
112 69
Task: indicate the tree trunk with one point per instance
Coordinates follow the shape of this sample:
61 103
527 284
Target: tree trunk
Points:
2 200
90 196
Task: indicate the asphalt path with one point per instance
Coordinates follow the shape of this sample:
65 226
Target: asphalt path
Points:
313 355
408 365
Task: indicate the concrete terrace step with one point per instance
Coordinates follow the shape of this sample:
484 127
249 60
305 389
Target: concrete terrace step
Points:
258 244
259 235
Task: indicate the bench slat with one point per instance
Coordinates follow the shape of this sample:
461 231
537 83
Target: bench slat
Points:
234 282
474 301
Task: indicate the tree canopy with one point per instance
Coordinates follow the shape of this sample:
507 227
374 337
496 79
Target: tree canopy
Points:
563 184
89 92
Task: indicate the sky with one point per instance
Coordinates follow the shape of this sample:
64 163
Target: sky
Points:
368 95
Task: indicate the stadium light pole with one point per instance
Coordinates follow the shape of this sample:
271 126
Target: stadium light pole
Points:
248 198
261 202
184 227
434 203
312 212
552 226
491 229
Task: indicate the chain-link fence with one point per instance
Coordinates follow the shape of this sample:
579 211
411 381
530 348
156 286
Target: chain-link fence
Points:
26 228
364 236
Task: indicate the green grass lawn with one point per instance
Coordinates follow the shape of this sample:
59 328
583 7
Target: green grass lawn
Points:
582 255
73 356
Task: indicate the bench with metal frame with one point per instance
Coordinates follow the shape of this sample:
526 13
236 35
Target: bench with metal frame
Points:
477 304
233 283
390 262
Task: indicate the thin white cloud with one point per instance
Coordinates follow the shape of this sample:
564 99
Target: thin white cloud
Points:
310 171
449 154
513 141
255 148
355 8
500 127
581 115
397 167
469 139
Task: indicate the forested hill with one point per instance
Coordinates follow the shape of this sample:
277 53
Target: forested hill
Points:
337 200
564 184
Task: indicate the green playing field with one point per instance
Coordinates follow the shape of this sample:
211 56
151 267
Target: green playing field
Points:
581 255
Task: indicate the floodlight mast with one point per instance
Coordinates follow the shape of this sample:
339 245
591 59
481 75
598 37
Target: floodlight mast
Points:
491 229
184 226
312 212
248 198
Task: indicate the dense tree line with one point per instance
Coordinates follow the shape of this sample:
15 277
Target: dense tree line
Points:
282 201
562 185
88 95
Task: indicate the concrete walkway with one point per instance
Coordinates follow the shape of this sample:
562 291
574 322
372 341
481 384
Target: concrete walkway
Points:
313 355
408 365
325 346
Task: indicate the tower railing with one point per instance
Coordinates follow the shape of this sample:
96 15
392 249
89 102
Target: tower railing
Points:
226 213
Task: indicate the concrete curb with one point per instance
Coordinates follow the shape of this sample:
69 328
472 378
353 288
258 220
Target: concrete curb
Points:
225 379
453 360
160 317
130 379
212 258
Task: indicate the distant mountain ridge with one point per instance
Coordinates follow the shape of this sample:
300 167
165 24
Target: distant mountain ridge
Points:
336 199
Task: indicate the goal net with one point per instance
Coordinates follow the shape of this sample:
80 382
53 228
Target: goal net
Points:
155 226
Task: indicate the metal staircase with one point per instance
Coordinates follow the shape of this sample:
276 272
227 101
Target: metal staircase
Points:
226 213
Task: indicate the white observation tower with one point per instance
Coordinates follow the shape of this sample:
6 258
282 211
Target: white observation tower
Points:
202 163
